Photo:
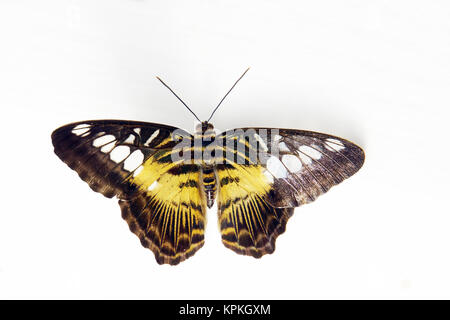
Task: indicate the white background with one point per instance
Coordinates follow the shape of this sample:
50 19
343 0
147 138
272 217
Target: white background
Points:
374 72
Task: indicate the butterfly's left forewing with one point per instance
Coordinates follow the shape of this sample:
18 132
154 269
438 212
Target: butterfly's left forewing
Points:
264 173
161 198
304 165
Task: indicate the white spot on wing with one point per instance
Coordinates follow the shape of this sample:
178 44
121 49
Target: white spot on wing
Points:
81 129
119 153
311 152
305 159
334 144
134 160
137 130
276 168
334 141
276 138
81 126
107 147
153 136
327 146
130 139
138 170
88 132
152 186
292 163
103 140
283 147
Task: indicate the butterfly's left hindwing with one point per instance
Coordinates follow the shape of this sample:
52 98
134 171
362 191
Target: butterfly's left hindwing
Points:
162 200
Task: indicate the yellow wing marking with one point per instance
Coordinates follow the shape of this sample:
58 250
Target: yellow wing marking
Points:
248 223
168 215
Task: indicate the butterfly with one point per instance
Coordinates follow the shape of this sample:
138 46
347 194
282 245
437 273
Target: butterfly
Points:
165 178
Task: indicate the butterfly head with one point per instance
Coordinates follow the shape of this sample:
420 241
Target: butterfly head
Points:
203 128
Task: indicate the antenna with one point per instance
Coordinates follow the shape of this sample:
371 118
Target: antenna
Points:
179 98
227 94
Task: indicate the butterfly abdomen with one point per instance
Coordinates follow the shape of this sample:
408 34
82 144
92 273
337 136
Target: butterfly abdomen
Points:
204 135
209 183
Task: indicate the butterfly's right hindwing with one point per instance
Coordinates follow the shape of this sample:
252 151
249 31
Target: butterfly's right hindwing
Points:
168 215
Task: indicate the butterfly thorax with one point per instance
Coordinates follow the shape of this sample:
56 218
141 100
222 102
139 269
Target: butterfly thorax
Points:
205 131
203 146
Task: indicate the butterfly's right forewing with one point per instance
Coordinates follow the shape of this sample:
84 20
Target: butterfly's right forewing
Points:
105 153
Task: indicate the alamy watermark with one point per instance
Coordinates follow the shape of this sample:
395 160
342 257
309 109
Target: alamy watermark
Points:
241 146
